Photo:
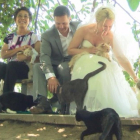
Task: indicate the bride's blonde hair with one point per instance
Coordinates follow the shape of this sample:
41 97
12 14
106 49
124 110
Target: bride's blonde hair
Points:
103 14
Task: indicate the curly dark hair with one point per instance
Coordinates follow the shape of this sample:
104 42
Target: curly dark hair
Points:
25 9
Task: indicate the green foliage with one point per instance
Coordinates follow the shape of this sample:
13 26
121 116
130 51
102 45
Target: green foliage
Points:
136 69
133 4
45 16
83 1
7 24
49 95
64 2
6 18
129 79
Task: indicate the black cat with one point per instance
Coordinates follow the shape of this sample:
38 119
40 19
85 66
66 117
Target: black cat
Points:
75 90
106 121
15 101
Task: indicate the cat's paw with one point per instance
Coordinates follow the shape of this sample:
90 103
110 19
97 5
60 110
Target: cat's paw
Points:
10 111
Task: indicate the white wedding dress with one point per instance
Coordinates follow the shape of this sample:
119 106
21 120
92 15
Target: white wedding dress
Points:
106 89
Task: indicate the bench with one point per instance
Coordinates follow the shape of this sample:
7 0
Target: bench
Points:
26 87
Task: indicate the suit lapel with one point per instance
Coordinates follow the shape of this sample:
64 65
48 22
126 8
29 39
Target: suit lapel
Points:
57 39
72 28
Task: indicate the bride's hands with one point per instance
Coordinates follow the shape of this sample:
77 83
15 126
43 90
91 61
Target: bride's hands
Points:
92 50
24 47
136 79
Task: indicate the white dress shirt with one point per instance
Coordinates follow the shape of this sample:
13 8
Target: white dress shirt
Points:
65 41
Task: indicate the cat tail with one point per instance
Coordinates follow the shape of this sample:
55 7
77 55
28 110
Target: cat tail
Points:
96 71
75 58
107 129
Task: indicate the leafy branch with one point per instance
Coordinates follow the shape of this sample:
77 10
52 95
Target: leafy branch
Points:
135 21
94 5
58 2
37 17
126 11
74 9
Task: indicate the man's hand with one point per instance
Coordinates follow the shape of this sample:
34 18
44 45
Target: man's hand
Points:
52 84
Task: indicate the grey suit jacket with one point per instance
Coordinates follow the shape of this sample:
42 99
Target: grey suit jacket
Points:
51 48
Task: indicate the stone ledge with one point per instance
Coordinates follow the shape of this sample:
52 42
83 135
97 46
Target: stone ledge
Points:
57 119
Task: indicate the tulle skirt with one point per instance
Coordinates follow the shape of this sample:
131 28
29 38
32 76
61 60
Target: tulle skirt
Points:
106 89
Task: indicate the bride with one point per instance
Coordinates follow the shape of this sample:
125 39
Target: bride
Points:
108 88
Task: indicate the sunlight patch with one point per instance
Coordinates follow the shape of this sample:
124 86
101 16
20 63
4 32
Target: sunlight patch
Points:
41 129
1 124
64 135
61 130
33 135
138 132
18 137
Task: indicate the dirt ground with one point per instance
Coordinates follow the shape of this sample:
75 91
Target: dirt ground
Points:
16 130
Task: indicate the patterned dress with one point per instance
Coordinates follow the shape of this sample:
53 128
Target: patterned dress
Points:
15 41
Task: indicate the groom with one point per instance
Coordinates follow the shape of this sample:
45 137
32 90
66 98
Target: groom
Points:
53 68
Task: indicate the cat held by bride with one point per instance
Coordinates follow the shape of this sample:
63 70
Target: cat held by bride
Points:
103 50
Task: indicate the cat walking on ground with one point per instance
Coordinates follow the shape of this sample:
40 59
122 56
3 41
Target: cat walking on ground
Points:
105 121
